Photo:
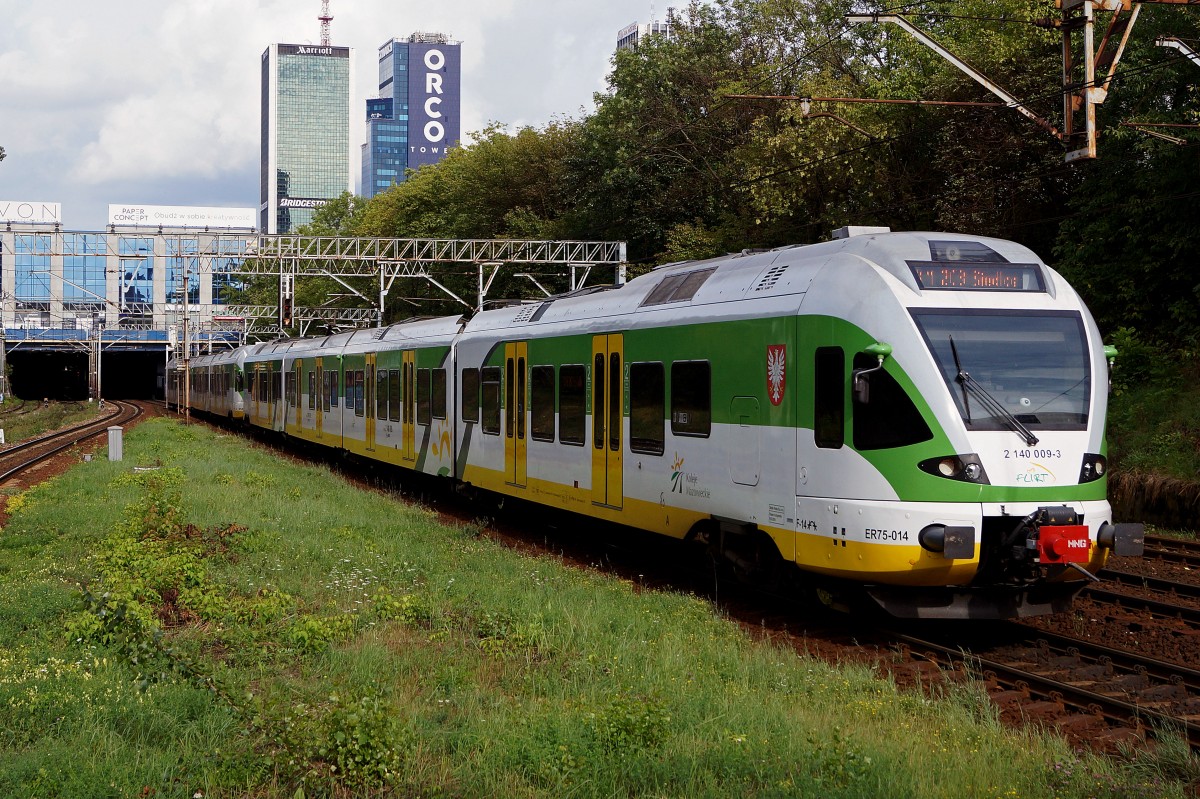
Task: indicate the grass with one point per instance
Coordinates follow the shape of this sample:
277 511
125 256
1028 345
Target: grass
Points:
34 418
236 625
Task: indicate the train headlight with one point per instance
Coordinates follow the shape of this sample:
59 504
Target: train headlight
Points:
1093 468
967 468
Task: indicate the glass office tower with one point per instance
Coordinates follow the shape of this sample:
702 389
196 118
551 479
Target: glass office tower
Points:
306 151
417 118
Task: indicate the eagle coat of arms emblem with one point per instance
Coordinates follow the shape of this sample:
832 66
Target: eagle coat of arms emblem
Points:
776 372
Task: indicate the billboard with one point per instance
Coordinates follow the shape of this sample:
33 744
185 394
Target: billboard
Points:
34 213
182 216
434 101
308 49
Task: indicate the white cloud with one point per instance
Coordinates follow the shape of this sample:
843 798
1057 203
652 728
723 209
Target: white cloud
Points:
165 95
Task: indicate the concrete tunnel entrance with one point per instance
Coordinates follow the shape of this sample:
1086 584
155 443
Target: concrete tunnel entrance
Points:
61 375
132 375
49 374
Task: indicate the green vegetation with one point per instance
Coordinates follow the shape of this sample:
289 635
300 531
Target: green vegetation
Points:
670 162
221 621
23 420
1154 410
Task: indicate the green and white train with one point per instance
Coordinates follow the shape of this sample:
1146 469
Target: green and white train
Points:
914 417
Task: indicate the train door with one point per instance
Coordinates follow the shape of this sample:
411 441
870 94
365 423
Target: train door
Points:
608 395
369 399
744 453
320 398
297 391
259 391
516 357
408 427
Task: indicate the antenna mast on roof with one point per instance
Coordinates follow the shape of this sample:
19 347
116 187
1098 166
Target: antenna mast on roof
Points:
325 18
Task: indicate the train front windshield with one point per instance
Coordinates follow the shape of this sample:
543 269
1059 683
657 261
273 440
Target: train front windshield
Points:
1034 364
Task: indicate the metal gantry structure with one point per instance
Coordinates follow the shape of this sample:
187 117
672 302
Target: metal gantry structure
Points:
384 261
48 300
1088 65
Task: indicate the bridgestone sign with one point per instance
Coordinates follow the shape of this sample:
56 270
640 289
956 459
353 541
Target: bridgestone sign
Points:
300 202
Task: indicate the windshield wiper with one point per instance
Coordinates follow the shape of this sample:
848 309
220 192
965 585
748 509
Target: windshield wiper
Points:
989 403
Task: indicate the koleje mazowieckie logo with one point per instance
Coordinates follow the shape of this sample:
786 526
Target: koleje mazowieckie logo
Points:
776 372
677 474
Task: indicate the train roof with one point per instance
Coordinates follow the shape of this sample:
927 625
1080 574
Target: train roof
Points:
749 274
755 274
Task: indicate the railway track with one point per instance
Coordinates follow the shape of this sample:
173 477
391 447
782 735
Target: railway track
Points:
20 457
1164 604
1173 550
1070 681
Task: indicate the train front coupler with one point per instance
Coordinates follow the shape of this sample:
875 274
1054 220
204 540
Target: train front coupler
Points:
1054 536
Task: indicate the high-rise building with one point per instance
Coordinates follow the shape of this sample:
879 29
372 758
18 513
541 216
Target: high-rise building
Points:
633 33
306 150
417 117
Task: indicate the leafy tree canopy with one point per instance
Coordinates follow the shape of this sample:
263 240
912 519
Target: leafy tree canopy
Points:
672 163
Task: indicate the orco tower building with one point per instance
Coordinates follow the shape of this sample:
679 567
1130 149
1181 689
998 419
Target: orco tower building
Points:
417 116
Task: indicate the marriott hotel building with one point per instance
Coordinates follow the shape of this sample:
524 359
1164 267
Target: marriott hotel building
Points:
306 151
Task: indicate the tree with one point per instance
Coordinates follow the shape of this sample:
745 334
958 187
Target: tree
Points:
1129 240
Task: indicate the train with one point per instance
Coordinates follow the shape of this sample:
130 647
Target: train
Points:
902 420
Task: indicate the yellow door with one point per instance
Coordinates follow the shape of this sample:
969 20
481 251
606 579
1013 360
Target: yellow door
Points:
260 392
408 430
369 400
516 412
319 396
608 415
298 393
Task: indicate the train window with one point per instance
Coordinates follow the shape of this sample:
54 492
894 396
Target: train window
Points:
381 394
829 387
490 420
572 404
677 288
424 411
394 395
470 395
615 409
360 398
890 419
691 398
542 404
647 408
312 384
510 407
598 401
439 393
240 382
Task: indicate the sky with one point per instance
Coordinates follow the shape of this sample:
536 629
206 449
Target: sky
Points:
156 102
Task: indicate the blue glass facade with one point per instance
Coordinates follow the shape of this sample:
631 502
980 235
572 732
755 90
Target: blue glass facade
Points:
180 264
424 69
305 132
84 259
136 279
31 268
